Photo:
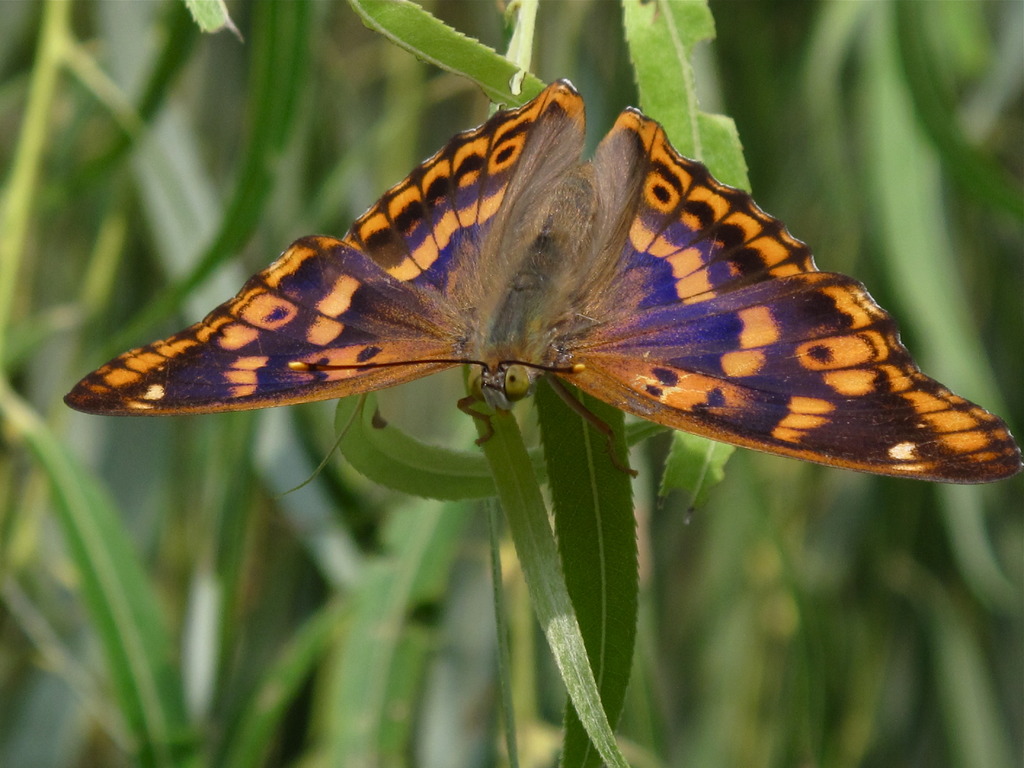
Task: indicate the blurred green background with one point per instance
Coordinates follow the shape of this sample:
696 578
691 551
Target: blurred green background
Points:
805 616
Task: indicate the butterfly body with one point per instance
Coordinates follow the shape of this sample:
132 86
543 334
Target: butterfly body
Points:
633 275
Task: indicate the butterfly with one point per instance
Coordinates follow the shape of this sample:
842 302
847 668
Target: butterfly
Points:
635 276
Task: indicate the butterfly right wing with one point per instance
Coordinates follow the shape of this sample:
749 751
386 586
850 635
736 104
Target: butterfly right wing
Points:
723 326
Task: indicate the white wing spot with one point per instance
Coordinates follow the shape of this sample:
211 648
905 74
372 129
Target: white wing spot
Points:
903 451
155 392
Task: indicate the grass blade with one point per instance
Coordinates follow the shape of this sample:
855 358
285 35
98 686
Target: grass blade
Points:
124 611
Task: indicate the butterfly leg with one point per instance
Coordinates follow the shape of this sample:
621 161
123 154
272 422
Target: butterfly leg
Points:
466 406
595 421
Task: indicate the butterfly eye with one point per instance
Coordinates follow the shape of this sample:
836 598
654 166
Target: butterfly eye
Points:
517 382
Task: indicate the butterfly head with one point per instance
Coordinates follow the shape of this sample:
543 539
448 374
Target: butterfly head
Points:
504 384
509 381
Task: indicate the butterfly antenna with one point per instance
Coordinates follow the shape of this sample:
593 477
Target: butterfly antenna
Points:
574 368
298 365
337 443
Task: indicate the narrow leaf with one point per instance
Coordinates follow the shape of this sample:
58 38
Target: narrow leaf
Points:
661 35
977 174
382 660
428 38
123 610
527 518
393 459
976 728
211 16
695 465
596 533
258 724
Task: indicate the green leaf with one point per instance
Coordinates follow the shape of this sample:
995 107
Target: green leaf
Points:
638 431
253 733
694 465
211 16
382 659
596 533
976 724
21 182
977 174
661 35
179 40
428 38
393 459
527 518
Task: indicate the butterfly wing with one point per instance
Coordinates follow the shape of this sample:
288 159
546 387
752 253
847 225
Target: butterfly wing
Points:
335 317
725 328
431 228
322 303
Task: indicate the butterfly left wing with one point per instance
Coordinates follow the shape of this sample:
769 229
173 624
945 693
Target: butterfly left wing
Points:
384 305
323 303
725 328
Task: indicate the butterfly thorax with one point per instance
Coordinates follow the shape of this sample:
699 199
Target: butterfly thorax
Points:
528 280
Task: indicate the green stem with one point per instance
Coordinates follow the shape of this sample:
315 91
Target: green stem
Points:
19 196
520 47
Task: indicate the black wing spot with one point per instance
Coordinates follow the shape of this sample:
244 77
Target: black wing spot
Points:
276 315
437 191
716 398
730 235
666 176
469 164
555 110
821 307
667 377
380 240
747 261
820 353
367 353
504 155
409 216
700 210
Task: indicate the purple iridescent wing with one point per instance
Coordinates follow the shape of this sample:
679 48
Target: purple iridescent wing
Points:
728 330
